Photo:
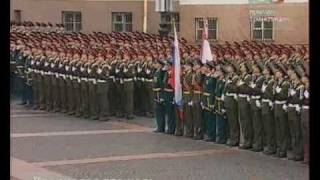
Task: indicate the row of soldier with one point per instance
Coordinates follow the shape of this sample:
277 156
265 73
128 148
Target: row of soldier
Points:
221 100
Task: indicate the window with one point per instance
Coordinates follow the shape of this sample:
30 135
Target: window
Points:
212 28
262 29
17 16
72 21
167 17
122 22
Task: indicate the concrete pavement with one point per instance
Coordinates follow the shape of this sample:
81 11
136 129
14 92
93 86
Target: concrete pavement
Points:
53 145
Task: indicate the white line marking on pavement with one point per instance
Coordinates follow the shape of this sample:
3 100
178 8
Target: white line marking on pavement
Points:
135 157
31 115
69 133
26 171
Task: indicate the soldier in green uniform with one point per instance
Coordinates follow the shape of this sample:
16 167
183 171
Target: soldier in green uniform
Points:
112 90
138 89
207 101
149 107
280 111
119 89
255 105
42 78
294 118
69 86
158 85
197 81
128 85
304 96
231 105
35 83
103 83
92 88
84 88
55 83
267 109
77 87
187 100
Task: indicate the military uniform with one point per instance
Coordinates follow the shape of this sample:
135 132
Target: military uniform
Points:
158 85
103 84
231 105
220 112
169 103
267 114
208 99
294 121
281 117
305 123
128 85
84 91
255 106
149 103
187 104
198 124
92 87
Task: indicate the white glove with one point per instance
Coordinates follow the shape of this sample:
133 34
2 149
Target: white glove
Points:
60 65
89 70
125 70
306 94
292 92
258 104
229 81
223 111
74 68
32 62
202 107
222 97
46 64
252 85
117 70
264 88
248 98
285 107
67 68
139 69
81 69
235 97
278 89
240 83
298 109
271 104
148 71
99 71
161 100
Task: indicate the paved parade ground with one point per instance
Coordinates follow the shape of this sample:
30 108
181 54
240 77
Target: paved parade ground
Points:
56 146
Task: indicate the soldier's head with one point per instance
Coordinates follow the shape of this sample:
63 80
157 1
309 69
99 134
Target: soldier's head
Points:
243 68
279 74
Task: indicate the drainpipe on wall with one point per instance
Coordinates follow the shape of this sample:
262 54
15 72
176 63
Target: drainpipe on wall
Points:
145 8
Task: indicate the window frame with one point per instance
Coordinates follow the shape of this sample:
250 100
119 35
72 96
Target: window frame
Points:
17 15
74 22
177 23
124 23
197 19
262 28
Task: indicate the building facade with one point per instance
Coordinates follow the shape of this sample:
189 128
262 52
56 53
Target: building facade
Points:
280 21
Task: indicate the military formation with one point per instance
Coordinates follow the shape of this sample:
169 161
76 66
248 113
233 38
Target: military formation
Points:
252 95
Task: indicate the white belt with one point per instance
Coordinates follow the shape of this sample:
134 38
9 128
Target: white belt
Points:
305 107
255 97
128 80
143 79
75 77
243 95
99 80
293 105
231 94
266 100
111 77
84 79
91 79
148 80
280 102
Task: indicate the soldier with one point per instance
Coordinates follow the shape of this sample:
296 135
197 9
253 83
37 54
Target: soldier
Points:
244 106
158 85
119 90
219 109
169 98
20 58
208 99
55 81
28 75
92 87
103 83
267 109
255 105
197 80
128 75
149 107
304 96
231 105
187 99
294 118
281 119
69 85
84 87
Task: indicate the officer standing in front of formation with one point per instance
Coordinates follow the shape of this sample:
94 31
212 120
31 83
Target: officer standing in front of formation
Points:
304 97
158 95
255 104
280 111
208 100
231 105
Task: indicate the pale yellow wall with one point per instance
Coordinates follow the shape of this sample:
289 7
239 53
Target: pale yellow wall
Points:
233 20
